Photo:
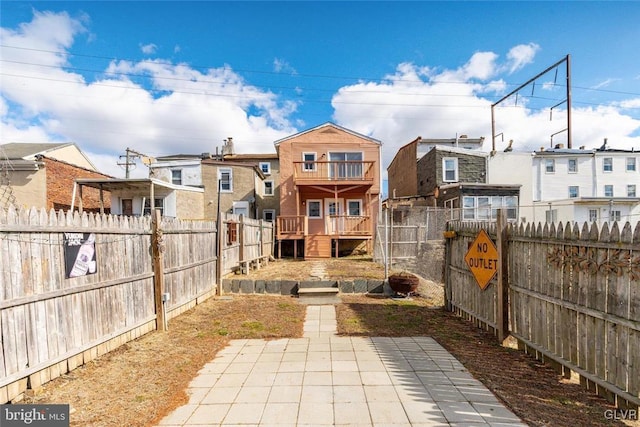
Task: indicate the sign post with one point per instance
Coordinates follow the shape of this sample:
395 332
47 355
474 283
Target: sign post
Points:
482 259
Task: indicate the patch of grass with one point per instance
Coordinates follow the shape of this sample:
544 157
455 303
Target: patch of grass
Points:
253 325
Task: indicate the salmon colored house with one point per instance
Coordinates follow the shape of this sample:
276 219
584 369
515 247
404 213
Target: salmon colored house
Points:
329 191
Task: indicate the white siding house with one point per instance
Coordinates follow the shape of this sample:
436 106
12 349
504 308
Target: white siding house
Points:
586 185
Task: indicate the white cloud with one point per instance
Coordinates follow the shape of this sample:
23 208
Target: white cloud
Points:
282 66
148 49
456 101
520 56
157 107
604 83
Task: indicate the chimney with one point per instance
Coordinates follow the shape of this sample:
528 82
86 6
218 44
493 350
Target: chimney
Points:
559 146
463 136
541 148
582 147
227 148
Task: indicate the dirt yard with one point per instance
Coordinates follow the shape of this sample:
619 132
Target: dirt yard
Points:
146 379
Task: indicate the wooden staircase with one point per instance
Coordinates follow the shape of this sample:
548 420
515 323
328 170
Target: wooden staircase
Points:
317 246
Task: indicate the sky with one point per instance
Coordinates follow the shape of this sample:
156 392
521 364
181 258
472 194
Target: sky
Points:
180 77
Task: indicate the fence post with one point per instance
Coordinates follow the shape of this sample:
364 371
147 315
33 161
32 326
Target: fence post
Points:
241 242
157 249
502 318
220 233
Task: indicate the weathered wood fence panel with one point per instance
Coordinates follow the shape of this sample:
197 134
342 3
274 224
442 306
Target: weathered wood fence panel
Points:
247 241
50 324
410 238
574 299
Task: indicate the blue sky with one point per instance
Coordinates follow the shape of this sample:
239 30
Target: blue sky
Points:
179 77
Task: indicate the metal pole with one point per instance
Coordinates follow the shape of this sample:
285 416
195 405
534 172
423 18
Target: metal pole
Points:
568 101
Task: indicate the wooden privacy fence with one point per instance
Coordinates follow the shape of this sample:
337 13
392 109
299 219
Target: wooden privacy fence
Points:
571 296
73 287
245 242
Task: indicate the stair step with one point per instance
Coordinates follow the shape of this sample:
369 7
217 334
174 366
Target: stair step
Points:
317 291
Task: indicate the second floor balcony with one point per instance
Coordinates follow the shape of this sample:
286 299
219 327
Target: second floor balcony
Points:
343 172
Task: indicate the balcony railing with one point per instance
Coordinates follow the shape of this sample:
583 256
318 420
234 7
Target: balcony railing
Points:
348 225
334 171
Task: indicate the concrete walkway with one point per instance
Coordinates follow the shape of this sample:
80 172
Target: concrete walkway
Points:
323 379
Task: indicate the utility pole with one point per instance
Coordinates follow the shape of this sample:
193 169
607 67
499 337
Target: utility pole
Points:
130 157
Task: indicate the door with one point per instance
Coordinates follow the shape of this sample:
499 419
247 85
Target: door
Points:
332 209
127 207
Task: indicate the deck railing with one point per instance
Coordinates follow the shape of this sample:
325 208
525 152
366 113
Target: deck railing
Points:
289 225
334 171
349 225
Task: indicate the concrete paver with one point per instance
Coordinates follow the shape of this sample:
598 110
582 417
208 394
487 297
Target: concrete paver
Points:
324 379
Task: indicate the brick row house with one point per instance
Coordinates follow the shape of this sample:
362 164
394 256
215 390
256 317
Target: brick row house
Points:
43 175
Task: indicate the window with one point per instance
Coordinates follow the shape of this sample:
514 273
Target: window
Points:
225 176
550 165
574 191
572 165
607 164
608 191
616 216
631 164
631 190
310 162
314 208
345 165
269 215
484 208
468 208
593 215
450 169
176 176
268 188
354 207
265 167
158 204
484 212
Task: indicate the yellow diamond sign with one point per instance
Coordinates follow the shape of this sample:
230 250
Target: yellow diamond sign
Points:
482 259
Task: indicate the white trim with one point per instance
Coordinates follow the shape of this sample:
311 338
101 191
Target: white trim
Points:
308 203
313 162
230 171
268 172
273 214
359 208
444 169
264 188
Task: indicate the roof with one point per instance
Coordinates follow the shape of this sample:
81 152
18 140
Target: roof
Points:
457 150
324 125
254 166
583 152
451 141
481 185
262 156
21 150
132 184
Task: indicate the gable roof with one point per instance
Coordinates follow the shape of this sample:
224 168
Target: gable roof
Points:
327 125
28 151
